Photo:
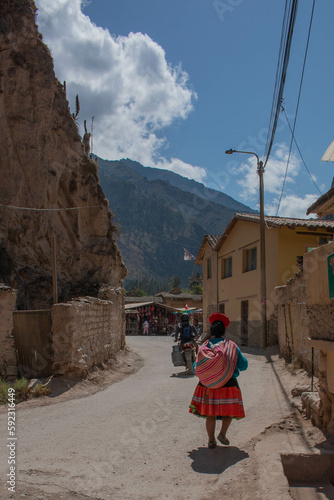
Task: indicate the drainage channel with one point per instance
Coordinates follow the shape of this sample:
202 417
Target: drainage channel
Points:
310 476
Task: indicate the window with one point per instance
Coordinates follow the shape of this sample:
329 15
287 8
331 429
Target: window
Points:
208 268
249 259
226 268
324 240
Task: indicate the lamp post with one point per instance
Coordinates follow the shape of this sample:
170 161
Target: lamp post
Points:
263 285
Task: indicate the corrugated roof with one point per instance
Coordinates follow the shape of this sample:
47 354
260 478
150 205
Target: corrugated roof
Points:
324 205
276 222
137 304
181 295
329 153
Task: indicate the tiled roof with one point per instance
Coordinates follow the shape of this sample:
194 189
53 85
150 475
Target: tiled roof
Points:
212 240
207 238
276 222
287 221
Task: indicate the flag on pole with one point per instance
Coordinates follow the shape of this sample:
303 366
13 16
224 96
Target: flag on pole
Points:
188 255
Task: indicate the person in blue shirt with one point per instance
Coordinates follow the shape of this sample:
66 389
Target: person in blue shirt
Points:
223 403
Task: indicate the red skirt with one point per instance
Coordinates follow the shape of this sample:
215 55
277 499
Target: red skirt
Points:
222 402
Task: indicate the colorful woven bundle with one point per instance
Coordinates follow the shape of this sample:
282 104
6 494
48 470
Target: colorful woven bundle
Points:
214 367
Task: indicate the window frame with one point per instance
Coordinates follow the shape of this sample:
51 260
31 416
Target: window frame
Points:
208 268
249 260
226 268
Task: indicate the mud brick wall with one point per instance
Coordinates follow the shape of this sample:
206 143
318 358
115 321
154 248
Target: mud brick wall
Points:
87 332
8 364
294 323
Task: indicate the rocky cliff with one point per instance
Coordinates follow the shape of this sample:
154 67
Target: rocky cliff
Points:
49 187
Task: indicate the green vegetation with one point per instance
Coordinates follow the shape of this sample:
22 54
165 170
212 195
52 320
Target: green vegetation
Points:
22 392
145 288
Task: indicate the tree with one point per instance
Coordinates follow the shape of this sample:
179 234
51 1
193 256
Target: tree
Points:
174 282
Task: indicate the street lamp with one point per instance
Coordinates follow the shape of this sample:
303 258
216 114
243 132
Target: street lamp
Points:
263 286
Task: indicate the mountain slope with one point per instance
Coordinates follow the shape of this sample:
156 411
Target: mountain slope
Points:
188 185
159 220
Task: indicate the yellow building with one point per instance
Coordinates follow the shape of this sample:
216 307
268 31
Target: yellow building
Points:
231 267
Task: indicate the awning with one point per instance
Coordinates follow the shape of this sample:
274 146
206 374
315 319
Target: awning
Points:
134 305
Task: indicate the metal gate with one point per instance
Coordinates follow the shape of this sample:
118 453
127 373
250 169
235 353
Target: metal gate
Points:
33 342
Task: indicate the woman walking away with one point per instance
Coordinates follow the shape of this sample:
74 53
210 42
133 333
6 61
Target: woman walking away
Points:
217 395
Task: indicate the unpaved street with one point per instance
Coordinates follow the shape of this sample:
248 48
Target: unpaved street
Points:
136 440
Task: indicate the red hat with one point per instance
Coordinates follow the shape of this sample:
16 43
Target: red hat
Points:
219 317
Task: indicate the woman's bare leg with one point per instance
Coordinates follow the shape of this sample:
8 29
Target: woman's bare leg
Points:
225 425
211 427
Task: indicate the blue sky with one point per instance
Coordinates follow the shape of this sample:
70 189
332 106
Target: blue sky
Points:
174 83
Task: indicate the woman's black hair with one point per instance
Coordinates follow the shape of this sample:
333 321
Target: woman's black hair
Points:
217 329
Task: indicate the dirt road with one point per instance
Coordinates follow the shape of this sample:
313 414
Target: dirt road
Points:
135 440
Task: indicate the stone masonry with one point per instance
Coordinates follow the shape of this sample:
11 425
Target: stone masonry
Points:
87 332
294 323
8 365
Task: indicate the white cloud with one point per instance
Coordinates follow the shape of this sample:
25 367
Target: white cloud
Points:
184 169
291 204
273 175
125 82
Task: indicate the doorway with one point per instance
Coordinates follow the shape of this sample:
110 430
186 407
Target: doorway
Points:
244 323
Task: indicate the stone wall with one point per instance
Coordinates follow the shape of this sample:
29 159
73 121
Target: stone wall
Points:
8 364
321 327
293 324
87 332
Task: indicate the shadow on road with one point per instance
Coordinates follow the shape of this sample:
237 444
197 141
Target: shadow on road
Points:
216 461
183 375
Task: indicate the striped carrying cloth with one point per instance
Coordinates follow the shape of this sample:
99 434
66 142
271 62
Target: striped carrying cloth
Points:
215 366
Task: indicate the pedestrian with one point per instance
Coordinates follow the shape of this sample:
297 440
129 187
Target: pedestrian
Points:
146 327
219 403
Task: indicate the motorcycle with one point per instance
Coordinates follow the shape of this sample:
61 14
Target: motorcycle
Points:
184 355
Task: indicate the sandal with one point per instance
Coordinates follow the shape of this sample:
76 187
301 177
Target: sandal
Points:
212 444
223 439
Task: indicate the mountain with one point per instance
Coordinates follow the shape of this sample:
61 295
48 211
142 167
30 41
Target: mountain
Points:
160 213
188 185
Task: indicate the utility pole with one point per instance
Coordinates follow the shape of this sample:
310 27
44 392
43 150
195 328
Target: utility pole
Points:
54 269
263 279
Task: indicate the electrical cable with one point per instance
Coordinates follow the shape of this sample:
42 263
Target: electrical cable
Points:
45 209
96 206
282 65
297 107
300 153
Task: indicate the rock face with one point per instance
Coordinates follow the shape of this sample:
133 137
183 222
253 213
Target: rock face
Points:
48 185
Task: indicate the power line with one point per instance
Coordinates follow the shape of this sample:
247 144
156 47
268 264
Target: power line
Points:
282 65
299 151
45 209
297 107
